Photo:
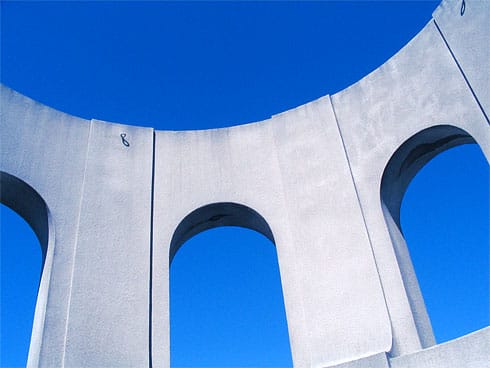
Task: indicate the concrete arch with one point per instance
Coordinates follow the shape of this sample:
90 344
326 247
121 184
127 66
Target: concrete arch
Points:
431 81
411 156
402 167
215 215
28 203
228 214
23 199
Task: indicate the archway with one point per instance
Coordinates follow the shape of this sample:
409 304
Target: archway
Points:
403 166
21 260
226 303
19 199
444 219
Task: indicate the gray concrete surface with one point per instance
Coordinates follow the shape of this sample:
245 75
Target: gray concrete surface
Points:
112 251
297 150
323 181
470 351
379 360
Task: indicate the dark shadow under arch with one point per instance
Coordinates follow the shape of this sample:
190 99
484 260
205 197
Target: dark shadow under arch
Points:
230 300
21 261
411 156
28 203
402 167
215 215
23 199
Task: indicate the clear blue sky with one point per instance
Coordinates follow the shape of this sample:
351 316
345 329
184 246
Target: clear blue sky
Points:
201 65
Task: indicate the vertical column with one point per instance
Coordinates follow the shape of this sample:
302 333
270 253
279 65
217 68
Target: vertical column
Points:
108 321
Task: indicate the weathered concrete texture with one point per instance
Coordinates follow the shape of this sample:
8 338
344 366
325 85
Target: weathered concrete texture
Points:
47 149
420 87
112 259
374 361
95 286
307 209
467 37
462 352
323 181
470 351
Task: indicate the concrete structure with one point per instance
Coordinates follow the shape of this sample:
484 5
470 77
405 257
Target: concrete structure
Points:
111 204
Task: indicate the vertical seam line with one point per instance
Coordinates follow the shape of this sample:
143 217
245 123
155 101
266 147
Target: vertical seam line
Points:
461 71
82 192
150 299
363 217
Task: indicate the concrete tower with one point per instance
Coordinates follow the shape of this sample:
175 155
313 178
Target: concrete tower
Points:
111 204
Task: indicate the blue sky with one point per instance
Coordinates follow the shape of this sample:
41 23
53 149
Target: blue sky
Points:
200 65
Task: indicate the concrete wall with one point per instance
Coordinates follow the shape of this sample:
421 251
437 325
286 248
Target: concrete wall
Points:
420 87
281 168
324 181
36 143
470 351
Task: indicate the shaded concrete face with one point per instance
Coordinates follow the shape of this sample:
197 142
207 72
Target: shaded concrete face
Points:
216 215
113 203
402 167
24 200
411 156
282 168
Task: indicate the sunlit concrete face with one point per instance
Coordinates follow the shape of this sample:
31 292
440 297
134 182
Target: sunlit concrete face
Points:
324 181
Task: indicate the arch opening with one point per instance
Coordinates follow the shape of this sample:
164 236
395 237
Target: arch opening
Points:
216 215
226 301
22 200
409 162
21 260
410 157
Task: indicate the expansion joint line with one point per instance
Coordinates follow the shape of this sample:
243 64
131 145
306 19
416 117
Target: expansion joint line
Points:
461 71
360 206
150 289
75 247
